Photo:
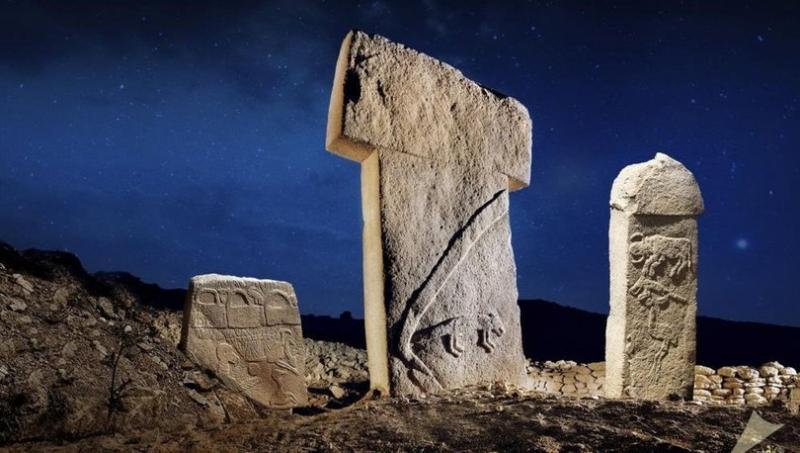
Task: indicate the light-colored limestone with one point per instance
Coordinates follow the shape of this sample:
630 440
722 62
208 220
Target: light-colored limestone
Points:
703 370
247 331
439 155
389 97
650 334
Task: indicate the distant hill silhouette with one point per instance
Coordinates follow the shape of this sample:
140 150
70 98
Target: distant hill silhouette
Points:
552 332
555 332
549 331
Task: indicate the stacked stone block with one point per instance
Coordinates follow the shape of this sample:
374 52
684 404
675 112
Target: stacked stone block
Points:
744 385
568 378
731 385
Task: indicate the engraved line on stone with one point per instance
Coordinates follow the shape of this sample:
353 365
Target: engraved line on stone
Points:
650 252
458 247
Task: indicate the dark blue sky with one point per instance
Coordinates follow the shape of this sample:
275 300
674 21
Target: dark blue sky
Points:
170 140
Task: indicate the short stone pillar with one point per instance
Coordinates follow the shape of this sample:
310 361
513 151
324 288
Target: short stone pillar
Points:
439 155
247 331
650 334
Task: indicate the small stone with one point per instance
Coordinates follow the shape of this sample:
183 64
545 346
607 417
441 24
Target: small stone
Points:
128 329
336 391
27 286
727 371
146 347
732 384
702 394
774 365
61 296
755 400
759 382
703 370
768 371
702 382
584 378
771 391
100 347
582 369
106 307
747 373
789 371
18 305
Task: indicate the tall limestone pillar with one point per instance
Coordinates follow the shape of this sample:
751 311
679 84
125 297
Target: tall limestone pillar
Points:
439 155
650 334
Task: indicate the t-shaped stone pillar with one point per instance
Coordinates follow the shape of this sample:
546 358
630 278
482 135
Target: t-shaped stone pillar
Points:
650 334
439 154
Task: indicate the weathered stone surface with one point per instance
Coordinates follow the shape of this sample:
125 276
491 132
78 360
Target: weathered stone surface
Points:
247 331
389 97
794 400
703 370
438 156
650 334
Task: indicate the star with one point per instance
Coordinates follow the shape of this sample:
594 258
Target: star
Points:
742 244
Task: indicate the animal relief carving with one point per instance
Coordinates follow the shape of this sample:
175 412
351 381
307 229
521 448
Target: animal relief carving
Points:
650 334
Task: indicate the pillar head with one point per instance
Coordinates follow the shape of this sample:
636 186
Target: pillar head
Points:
660 186
388 97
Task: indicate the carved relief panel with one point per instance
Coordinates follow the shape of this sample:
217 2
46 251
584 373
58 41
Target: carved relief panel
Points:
247 331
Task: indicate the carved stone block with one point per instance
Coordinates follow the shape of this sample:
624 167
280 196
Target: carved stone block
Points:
247 331
439 155
650 334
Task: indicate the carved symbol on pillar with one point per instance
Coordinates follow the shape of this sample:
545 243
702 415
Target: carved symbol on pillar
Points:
665 262
489 325
459 247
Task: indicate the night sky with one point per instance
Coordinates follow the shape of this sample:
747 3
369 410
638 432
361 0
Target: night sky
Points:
170 140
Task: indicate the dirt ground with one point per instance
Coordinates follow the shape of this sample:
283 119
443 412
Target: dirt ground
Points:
475 420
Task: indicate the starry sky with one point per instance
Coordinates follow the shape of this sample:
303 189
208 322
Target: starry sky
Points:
170 139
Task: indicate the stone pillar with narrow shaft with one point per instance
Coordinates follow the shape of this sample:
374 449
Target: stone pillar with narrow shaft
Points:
439 155
650 334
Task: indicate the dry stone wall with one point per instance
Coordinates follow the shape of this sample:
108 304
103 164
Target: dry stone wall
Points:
741 384
733 385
